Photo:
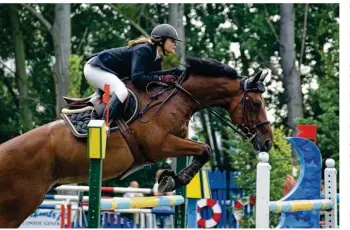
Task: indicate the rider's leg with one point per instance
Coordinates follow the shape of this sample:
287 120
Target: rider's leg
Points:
98 77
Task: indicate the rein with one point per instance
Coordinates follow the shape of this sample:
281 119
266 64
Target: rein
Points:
165 88
221 117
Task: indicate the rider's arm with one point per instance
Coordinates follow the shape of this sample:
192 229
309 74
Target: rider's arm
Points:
140 59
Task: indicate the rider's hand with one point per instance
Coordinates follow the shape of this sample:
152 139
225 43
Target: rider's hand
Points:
169 79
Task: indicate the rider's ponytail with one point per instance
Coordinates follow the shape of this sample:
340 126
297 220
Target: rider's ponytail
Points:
140 40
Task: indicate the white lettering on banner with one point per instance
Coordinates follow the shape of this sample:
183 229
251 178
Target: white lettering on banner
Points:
43 218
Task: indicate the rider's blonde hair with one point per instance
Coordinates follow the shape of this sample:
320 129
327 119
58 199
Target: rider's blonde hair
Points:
139 40
143 39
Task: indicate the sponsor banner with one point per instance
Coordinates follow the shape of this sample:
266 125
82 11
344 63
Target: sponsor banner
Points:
44 218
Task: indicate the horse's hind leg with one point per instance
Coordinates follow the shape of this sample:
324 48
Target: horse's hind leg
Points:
178 147
13 213
19 200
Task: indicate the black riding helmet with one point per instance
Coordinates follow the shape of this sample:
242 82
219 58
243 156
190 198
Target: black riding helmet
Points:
162 32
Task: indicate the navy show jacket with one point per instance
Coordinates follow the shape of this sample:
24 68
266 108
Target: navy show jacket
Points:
137 62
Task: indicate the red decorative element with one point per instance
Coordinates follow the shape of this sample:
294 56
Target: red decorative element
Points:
107 189
63 216
105 99
69 216
238 204
307 131
252 200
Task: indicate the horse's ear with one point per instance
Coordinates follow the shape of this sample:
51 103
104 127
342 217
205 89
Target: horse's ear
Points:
256 77
263 75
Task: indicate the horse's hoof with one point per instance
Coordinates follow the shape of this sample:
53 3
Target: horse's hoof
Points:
167 184
166 173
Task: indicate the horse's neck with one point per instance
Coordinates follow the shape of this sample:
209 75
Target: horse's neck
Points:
210 90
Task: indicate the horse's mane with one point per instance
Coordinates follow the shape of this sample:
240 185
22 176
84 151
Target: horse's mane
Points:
209 67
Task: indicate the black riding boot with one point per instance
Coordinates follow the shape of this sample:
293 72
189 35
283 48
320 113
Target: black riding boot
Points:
115 106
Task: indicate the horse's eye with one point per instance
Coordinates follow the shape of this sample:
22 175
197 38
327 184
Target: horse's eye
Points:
257 105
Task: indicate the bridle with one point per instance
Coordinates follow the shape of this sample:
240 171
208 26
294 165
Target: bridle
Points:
248 130
247 117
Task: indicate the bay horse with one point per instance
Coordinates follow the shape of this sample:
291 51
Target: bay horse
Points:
30 164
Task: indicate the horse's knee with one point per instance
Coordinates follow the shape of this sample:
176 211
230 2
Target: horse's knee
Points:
206 153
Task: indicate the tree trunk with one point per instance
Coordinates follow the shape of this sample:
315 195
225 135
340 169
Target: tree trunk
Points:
26 117
206 130
61 35
291 76
176 13
225 156
219 164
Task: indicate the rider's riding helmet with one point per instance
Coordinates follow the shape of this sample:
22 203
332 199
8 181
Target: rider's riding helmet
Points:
163 31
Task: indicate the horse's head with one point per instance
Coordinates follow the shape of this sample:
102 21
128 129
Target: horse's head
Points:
217 84
248 111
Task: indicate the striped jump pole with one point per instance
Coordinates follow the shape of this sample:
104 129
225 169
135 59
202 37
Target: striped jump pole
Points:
141 202
97 138
64 197
300 205
103 189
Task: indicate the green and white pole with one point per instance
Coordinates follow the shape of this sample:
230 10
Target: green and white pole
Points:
97 138
180 210
180 217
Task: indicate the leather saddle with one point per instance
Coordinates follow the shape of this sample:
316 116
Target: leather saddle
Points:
80 111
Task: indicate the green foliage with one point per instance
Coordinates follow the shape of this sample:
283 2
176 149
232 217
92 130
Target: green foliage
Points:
75 74
171 60
77 79
244 159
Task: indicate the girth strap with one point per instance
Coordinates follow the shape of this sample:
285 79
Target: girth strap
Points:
130 139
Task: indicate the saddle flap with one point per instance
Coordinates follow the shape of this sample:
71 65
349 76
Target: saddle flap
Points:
79 100
76 103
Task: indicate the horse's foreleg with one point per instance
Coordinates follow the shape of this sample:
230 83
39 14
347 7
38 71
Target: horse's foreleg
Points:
177 147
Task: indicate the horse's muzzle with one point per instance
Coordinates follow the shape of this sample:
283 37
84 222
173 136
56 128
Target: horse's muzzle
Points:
268 145
261 144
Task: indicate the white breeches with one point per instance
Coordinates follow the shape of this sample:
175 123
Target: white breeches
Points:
98 78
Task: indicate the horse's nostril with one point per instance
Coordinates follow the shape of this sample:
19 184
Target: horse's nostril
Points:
268 144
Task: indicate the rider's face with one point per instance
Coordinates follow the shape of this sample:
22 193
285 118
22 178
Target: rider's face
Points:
170 45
